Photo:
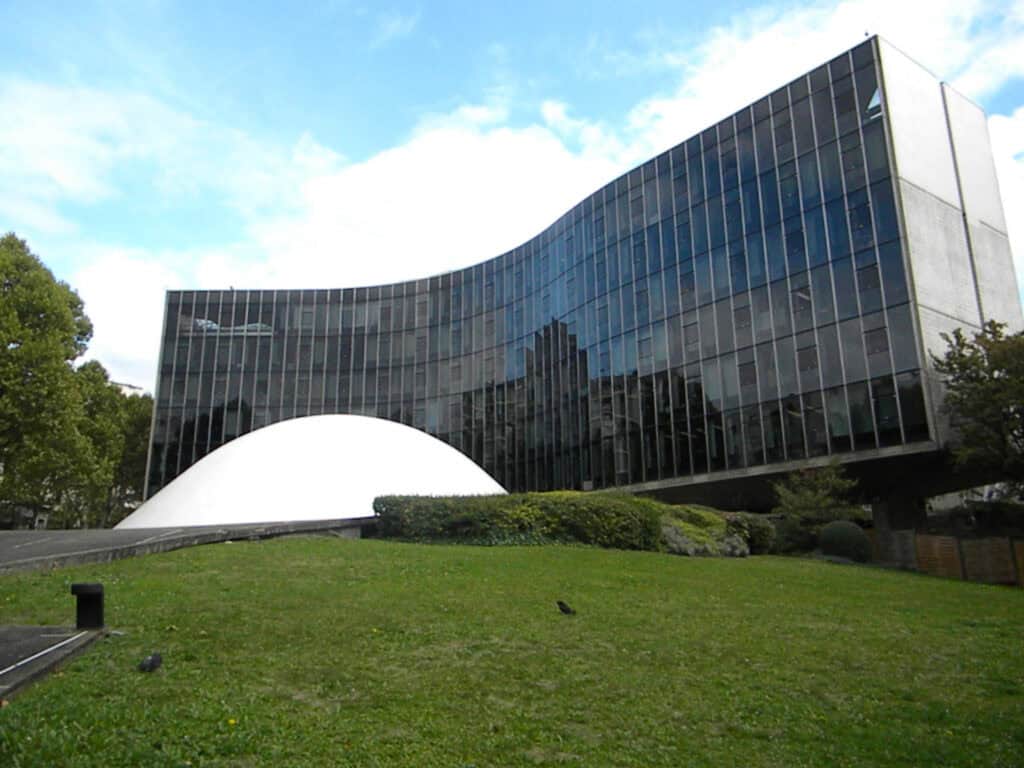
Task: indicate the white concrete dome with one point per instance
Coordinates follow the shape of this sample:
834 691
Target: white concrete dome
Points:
312 468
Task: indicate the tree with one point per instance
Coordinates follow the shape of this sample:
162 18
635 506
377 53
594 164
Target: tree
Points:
130 475
72 446
819 495
102 423
43 329
807 500
985 399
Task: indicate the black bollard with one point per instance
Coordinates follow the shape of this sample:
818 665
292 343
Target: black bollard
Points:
89 614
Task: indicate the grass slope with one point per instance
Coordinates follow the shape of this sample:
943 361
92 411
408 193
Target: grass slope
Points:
299 652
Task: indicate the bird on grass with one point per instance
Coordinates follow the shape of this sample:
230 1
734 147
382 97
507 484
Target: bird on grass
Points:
150 663
564 608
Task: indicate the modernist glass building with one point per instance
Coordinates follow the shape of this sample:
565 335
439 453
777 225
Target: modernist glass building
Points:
764 293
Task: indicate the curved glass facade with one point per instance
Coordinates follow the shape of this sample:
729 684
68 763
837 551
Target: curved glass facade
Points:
739 300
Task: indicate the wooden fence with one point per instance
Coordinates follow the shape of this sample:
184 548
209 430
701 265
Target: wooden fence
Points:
989 560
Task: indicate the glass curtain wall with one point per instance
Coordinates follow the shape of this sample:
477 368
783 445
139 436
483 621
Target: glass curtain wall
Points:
736 301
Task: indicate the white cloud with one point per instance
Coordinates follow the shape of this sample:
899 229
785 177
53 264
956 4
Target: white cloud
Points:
65 144
392 26
453 195
763 48
123 293
76 145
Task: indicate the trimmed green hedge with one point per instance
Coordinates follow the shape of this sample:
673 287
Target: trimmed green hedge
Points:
600 518
843 538
613 520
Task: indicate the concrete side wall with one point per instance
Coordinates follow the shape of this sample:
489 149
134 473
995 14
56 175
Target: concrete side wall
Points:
995 276
976 169
937 249
933 324
917 121
956 250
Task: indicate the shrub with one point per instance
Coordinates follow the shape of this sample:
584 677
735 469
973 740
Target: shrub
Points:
817 495
683 538
843 538
696 530
795 534
604 519
700 517
757 530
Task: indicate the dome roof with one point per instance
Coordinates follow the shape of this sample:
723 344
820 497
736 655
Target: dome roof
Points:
311 468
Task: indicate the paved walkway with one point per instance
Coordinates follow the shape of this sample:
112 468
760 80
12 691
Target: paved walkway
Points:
27 653
33 550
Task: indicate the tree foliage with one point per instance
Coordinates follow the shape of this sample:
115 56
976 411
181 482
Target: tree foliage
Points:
807 500
62 428
984 377
818 495
130 474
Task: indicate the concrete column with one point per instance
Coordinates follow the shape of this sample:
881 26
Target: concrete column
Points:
897 521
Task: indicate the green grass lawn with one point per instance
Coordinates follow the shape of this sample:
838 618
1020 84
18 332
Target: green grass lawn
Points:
321 651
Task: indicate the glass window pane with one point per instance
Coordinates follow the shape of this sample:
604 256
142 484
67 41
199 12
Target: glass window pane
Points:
769 198
786 363
723 315
823 120
845 290
767 375
809 189
874 148
831 175
763 144
745 149
707 330
772 425
803 126
838 421
762 313
915 423
702 268
742 323
752 434
780 308
885 211
869 288
890 258
814 425
800 296
775 252
860 222
831 365
793 424
852 345
838 232
887 419
860 416
821 290
876 343
901 332
814 231
730 383
738 267
755 260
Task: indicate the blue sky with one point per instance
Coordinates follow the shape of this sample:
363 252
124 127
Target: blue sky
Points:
155 145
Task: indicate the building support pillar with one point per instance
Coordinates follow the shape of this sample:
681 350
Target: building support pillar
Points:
897 521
